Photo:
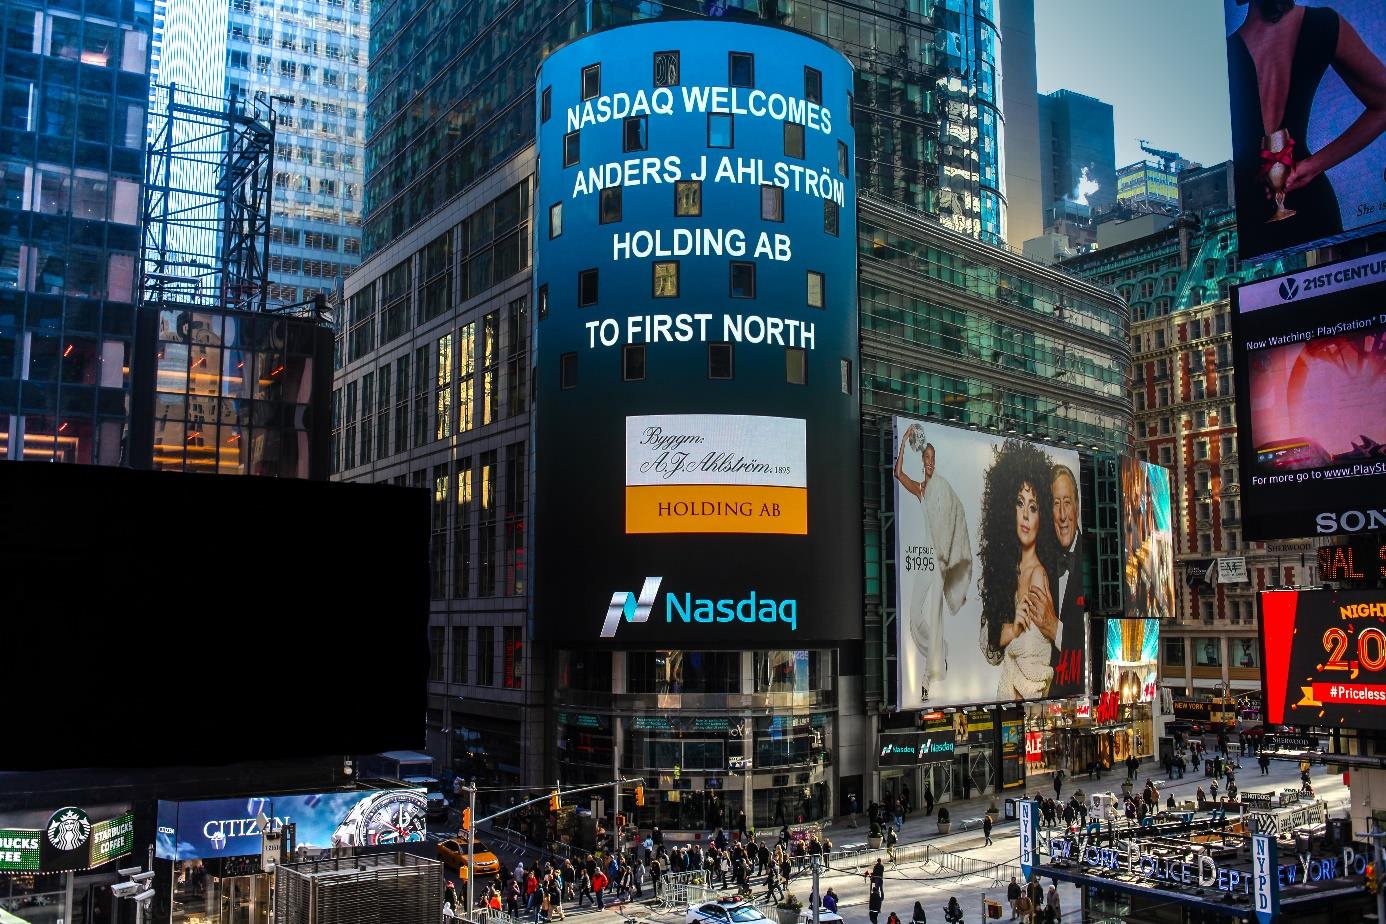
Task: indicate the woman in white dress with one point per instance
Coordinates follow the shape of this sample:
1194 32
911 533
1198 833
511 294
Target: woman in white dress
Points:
1016 541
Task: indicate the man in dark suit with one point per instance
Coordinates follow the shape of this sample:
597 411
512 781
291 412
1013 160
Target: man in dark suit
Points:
1061 610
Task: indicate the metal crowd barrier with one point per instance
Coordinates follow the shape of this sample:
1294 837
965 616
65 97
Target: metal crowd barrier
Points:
674 889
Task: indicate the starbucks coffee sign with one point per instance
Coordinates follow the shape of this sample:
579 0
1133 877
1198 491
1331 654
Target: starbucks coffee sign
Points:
19 851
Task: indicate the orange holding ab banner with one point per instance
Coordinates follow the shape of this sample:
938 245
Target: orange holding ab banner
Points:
716 473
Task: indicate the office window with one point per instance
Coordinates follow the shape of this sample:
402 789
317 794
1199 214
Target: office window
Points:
442 389
813 85
462 531
720 361
459 655
815 289
1174 652
743 279
1208 651
741 69
830 217
592 81
720 130
382 428
688 198
572 149
486 527
466 377
610 209
793 140
666 68
438 539
795 365
587 288
555 220
489 400
568 370
635 135
546 105
512 657
666 279
845 371
435 652
844 165
771 202
485 656
633 362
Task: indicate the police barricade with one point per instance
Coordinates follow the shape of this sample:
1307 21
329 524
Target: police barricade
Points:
677 890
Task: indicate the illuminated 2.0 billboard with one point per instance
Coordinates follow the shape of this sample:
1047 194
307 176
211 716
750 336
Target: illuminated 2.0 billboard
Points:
1324 657
1310 354
697 429
989 580
1307 143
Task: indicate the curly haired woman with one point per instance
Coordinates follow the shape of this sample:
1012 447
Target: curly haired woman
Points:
1015 543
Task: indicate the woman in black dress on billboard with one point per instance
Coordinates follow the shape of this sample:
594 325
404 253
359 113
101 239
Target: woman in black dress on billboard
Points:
1275 61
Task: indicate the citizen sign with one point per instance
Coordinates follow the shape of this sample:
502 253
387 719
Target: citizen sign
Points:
225 829
1349 521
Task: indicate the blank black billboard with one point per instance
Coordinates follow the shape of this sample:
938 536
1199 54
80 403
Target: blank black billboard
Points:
160 619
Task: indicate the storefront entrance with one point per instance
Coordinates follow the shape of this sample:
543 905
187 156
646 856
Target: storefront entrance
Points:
245 900
975 765
200 898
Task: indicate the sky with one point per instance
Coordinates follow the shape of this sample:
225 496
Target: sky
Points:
1162 66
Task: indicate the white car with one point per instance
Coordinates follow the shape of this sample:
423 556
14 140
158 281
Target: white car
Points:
724 912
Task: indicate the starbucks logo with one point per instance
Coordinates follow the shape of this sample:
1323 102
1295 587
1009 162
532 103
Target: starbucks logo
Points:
69 828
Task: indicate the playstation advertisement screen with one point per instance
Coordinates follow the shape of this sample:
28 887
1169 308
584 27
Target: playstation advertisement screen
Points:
1325 657
697 461
1310 351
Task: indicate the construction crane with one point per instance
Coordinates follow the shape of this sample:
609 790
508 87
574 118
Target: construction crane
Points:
1168 159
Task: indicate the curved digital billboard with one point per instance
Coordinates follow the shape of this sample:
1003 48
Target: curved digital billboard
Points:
697 460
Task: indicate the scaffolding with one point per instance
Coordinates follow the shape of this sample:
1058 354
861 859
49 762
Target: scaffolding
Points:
207 200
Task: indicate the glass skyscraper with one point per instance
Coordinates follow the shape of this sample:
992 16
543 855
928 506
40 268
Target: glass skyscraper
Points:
71 165
309 58
1077 152
452 96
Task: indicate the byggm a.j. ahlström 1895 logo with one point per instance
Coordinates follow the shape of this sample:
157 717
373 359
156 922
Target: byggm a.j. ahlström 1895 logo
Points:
754 607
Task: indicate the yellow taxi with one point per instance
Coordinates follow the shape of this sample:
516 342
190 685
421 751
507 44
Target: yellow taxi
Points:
453 853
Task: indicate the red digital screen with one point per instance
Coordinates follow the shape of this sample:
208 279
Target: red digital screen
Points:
1325 657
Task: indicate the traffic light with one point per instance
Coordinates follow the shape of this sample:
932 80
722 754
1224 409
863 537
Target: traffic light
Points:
466 819
640 795
553 801
1371 878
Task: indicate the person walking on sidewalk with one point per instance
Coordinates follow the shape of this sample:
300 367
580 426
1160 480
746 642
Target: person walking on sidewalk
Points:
877 892
773 890
986 830
953 914
1013 896
852 809
1058 781
919 916
892 839
928 799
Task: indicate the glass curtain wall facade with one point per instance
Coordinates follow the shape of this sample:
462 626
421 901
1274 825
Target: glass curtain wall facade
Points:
310 57
975 336
71 166
452 83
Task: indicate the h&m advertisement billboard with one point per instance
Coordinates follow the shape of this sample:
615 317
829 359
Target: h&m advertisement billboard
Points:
1307 141
990 598
1310 355
697 426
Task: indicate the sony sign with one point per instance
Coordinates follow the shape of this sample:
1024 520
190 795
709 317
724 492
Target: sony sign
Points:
1349 521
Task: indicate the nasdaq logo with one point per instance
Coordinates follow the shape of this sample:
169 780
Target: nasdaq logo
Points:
633 608
687 608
